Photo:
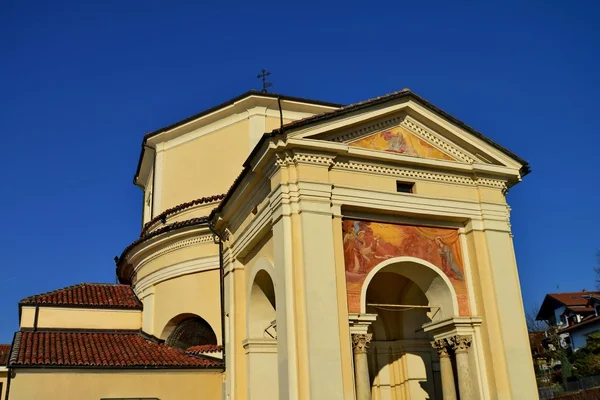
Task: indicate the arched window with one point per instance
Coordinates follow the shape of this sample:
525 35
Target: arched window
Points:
192 332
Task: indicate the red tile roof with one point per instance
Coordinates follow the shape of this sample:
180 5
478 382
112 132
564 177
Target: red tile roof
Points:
97 295
204 348
163 215
4 350
573 298
99 350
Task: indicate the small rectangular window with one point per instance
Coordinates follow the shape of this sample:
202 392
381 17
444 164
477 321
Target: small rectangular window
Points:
404 187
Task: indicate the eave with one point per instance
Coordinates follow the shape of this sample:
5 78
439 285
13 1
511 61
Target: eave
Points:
147 142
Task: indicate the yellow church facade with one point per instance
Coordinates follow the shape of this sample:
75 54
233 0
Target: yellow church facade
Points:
299 249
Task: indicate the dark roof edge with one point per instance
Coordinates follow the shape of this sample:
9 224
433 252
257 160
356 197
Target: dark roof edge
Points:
397 95
167 228
85 306
114 367
222 105
525 169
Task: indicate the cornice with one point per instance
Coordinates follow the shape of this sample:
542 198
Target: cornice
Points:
163 217
151 240
176 270
174 246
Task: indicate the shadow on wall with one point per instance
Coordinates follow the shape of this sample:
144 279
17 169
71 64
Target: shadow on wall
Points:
401 359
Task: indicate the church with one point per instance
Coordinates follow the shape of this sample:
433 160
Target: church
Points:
298 249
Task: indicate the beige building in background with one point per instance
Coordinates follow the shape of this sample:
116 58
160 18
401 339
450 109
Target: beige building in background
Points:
299 249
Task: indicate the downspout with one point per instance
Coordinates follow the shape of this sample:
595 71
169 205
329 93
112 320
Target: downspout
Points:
222 283
280 112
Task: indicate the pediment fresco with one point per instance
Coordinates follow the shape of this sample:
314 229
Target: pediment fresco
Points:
400 141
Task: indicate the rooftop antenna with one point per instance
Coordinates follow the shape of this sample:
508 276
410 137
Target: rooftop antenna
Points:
263 75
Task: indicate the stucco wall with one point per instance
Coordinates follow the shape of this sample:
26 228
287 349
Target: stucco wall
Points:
186 167
197 294
51 384
81 318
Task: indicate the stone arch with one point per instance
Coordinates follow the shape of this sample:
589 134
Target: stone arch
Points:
186 330
400 291
261 301
433 283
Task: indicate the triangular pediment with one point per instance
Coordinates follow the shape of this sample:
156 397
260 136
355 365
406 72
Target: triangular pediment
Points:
403 135
399 140
404 124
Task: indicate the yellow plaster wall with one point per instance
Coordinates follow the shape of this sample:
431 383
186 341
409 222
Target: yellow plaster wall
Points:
274 123
27 317
425 188
197 294
219 155
200 250
3 381
83 318
55 384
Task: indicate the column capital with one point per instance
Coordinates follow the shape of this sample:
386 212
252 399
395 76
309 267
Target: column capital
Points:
442 347
360 342
461 343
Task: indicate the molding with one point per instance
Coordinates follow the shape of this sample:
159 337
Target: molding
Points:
178 244
412 126
364 130
176 270
352 165
263 346
453 326
249 113
359 323
429 136
451 292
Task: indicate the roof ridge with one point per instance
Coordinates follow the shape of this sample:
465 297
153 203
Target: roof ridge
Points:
86 294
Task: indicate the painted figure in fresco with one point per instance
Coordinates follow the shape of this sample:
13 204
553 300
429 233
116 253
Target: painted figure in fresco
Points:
397 143
449 265
360 247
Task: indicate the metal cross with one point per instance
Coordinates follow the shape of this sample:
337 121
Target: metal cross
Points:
263 75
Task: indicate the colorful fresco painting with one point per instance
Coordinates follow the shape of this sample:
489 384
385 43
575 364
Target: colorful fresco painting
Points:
367 244
399 140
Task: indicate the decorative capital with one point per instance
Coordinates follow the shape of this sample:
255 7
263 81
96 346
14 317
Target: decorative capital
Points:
461 343
442 347
360 342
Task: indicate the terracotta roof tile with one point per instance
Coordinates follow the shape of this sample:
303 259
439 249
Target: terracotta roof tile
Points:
4 350
99 350
204 348
163 216
101 295
573 298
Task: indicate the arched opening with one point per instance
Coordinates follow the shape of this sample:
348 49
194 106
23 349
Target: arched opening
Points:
261 342
188 330
405 293
262 306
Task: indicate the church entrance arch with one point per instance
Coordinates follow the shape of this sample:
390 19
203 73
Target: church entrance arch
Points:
405 293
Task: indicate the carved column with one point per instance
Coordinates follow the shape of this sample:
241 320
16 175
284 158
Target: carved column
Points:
361 366
461 344
448 388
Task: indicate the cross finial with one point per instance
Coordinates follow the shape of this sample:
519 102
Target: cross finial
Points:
263 75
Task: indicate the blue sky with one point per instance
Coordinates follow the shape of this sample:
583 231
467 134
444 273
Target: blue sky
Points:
81 82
